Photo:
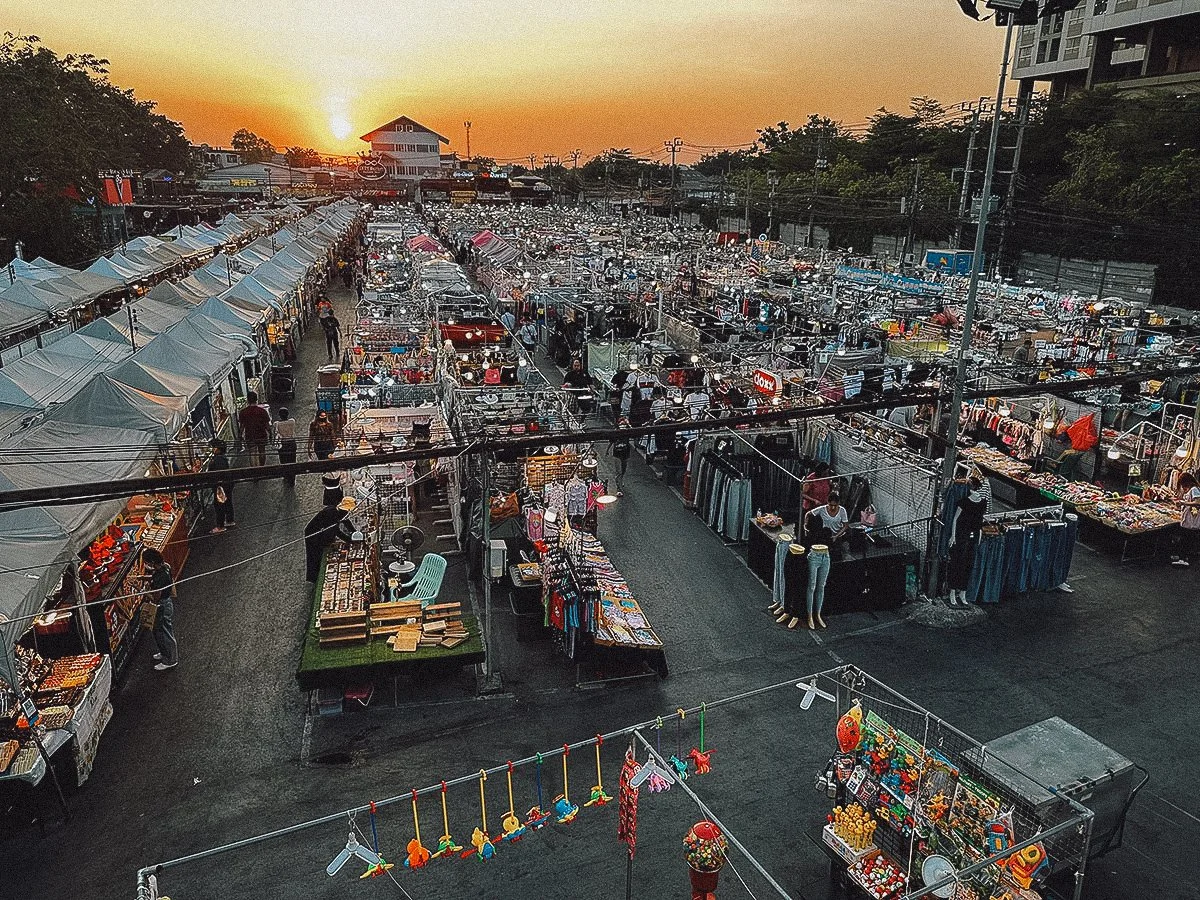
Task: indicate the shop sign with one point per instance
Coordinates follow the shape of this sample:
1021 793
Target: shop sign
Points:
768 383
371 170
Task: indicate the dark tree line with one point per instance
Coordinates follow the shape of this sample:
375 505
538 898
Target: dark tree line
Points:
63 123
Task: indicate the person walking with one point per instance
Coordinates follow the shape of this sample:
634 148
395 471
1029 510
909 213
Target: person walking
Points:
619 447
528 336
223 492
509 321
332 328
322 438
1189 519
285 434
255 424
161 590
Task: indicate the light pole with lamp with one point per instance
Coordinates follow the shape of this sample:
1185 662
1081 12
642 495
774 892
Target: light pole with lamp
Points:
1009 13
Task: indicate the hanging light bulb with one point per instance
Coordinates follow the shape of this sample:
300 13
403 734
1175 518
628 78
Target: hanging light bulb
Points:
1182 451
1048 424
1114 453
1005 410
695 358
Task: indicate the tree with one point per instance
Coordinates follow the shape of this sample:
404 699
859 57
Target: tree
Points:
252 147
301 157
63 123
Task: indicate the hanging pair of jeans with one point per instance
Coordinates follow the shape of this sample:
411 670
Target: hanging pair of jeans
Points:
1062 548
1014 559
987 575
1038 562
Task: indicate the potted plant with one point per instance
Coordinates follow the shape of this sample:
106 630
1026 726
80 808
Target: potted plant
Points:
704 850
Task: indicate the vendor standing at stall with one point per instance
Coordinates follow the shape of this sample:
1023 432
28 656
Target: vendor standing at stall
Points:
319 533
1189 519
815 488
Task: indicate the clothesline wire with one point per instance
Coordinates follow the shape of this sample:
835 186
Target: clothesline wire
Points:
30 617
474 777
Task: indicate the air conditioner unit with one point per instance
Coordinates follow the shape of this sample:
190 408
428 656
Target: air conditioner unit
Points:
497 560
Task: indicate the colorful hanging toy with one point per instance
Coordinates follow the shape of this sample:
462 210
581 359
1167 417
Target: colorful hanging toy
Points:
514 830
446 845
598 797
849 729
677 760
564 810
536 818
699 755
418 854
481 845
376 869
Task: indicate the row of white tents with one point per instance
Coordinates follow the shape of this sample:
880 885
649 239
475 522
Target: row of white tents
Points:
102 403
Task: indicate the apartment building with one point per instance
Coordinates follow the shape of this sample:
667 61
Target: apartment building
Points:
1129 45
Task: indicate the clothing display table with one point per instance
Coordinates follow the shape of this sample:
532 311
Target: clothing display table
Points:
873 579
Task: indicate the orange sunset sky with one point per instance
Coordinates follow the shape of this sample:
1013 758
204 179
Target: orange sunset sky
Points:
533 76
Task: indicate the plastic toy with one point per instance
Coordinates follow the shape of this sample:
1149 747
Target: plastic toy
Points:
849 728
702 760
446 845
418 853
537 818
481 844
598 797
383 865
564 810
680 766
1027 864
514 830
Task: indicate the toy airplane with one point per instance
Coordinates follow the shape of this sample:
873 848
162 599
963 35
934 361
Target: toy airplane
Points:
811 692
535 818
564 810
353 848
514 830
445 847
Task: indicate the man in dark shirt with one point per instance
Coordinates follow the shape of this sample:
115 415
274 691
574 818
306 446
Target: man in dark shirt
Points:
576 382
332 328
162 591
255 423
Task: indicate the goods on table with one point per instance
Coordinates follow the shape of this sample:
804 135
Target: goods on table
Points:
411 627
768 520
530 571
854 825
8 750
70 672
990 458
347 589
878 875
1132 515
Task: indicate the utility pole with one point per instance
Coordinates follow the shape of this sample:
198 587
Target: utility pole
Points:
914 202
532 157
575 154
965 195
467 125
818 165
772 183
608 167
550 161
1024 99
673 145
747 206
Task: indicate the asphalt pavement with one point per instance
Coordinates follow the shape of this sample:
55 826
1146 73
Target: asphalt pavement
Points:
225 747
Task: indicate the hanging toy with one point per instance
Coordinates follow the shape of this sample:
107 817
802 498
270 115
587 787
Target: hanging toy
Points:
627 801
564 810
678 762
598 797
418 854
481 844
849 728
699 755
446 845
514 830
536 818
382 865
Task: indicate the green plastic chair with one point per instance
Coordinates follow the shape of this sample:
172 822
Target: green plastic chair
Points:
426 583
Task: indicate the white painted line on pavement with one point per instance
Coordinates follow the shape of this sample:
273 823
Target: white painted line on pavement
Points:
306 738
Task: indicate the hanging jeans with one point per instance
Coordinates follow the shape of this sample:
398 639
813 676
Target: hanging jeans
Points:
779 582
1014 560
987 575
818 574
1062 549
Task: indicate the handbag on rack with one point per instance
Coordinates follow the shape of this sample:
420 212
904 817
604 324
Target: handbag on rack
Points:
868 516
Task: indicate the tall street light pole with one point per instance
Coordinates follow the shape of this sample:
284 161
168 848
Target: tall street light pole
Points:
467 125
968 320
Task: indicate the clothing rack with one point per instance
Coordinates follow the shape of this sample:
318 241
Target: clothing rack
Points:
1019 515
